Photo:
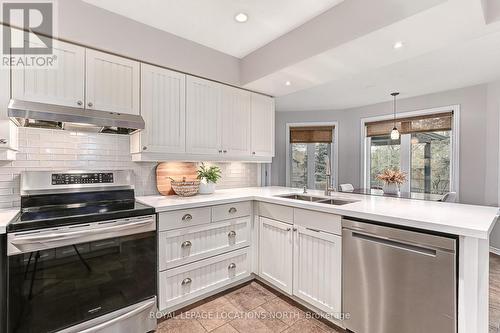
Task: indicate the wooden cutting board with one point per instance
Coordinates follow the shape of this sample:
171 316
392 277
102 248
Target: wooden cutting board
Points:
176 170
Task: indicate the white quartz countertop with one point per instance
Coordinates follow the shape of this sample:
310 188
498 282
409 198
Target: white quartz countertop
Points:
457 219
6 215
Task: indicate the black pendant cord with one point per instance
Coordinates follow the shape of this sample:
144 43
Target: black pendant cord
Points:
394 94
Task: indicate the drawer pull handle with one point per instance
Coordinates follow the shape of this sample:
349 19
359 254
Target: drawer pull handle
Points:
186 281
231 266
288 229
186 244
231 234
187 218
232 210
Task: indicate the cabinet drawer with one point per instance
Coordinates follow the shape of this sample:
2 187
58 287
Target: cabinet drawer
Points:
186 282
318 221
183 218
182 246
276 212
231 211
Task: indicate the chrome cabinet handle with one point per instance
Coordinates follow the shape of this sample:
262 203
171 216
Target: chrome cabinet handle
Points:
231 266
3 141
224 151
187 218
186 281
294 229
186 244
144 148
231 234
80 103
232 210
288 229
90 104
220 151
253 153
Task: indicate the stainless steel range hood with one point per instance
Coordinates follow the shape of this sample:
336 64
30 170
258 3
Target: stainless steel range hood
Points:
33 114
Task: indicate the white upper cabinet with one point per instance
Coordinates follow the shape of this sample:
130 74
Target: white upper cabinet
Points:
112 83
236 105
61 85
262 126
163 108
203 116
8 130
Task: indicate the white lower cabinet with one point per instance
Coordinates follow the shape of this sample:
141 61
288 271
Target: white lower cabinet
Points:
201 250
317 269
182 246
186 282
275 253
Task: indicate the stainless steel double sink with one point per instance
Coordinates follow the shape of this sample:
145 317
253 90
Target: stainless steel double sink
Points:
328 201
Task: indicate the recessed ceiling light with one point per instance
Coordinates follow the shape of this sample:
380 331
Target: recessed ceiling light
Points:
241 17
288 83
398 45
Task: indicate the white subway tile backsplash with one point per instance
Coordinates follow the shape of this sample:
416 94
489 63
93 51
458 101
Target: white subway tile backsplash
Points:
45 149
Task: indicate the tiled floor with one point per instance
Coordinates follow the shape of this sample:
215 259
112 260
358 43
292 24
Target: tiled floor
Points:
254 308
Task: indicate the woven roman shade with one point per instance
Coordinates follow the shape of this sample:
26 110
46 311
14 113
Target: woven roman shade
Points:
313 134
428 123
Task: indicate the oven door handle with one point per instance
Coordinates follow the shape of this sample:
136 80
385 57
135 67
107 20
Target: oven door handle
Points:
62 236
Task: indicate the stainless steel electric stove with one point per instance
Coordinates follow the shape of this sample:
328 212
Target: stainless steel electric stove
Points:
81 255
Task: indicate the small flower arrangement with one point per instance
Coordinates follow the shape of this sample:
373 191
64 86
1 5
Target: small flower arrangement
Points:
392 177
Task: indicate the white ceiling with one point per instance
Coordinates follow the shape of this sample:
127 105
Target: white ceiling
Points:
445 47
448 44
211 22
464 64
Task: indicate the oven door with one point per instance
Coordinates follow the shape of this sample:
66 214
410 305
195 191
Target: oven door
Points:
58 278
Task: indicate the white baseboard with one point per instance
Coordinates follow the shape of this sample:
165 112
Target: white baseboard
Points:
494 250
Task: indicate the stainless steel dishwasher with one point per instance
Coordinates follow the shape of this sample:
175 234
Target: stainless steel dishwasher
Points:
398 281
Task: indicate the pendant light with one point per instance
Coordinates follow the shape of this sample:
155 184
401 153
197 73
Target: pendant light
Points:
395 132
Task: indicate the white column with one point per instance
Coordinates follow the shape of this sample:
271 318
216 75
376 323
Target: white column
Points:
473 285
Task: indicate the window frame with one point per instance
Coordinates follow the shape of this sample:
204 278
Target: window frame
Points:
334 161
365 143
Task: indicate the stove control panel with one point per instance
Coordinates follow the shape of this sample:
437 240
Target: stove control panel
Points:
82 178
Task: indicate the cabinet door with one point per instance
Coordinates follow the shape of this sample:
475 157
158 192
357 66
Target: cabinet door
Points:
236 104
317 269
262 125
112 83
62 84
163 108
203 114
275 253
8 130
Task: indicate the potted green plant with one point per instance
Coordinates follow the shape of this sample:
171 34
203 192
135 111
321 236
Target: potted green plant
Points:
208 177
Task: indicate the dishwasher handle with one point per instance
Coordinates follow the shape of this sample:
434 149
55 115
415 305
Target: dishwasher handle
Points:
397 244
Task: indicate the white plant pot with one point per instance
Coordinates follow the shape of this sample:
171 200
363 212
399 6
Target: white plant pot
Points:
390 188
206 188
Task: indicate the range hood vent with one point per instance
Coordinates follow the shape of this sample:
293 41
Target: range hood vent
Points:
41 115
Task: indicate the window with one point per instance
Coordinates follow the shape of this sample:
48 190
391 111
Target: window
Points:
430 162
424 152
384 154
310 147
